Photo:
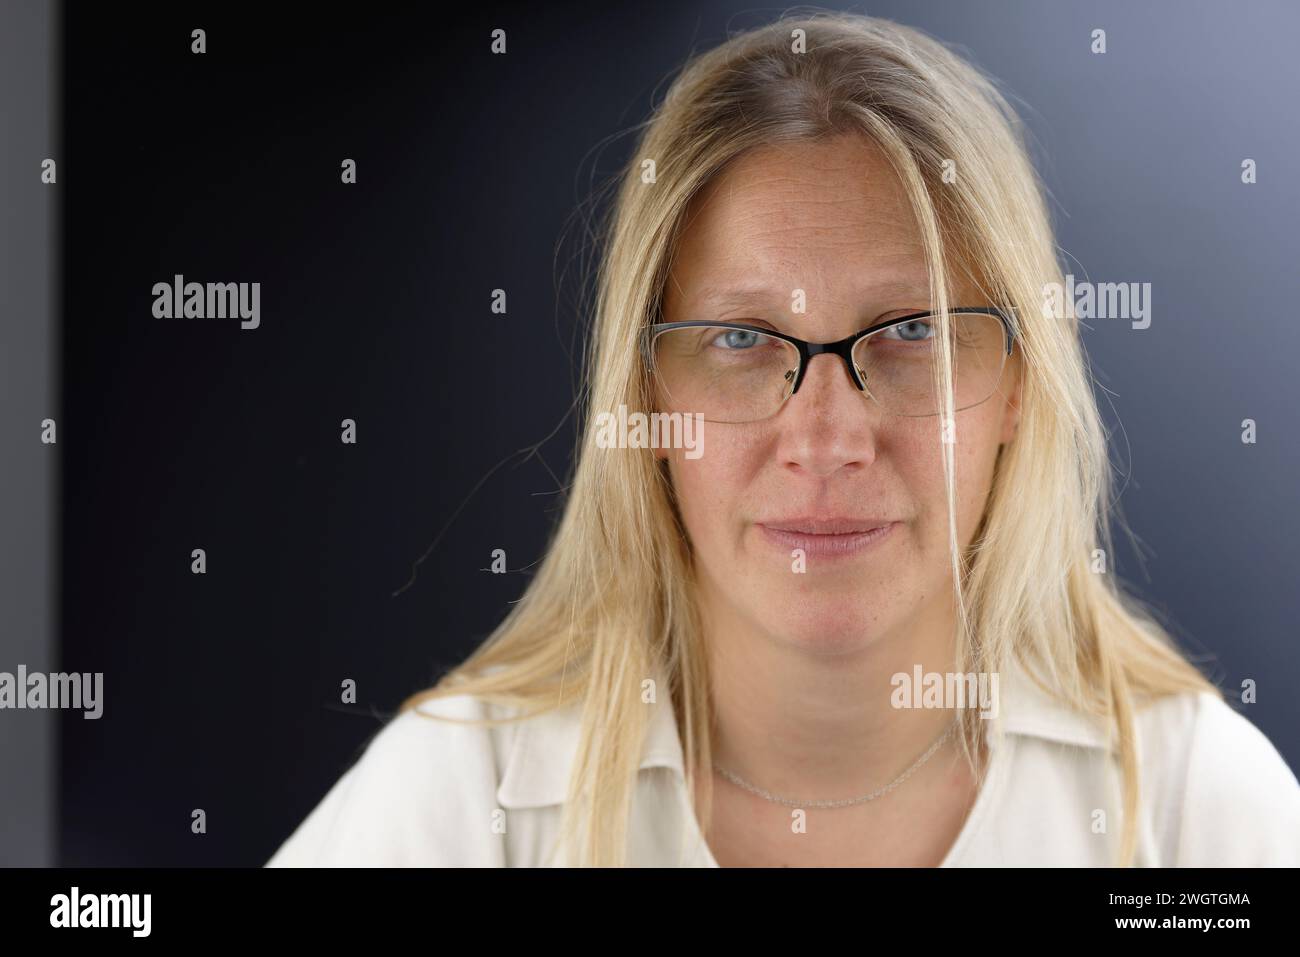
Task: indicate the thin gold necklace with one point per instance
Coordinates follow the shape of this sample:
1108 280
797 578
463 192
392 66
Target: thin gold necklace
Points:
879 792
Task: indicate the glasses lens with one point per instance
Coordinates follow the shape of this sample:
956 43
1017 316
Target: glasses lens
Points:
897 364
727 375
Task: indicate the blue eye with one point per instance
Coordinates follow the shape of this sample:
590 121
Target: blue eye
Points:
736 339
916 325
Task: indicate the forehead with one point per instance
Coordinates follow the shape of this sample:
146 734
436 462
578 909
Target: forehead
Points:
831 218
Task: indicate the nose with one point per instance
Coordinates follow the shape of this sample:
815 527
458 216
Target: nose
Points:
829 424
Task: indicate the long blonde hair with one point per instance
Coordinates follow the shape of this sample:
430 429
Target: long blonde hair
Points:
612 601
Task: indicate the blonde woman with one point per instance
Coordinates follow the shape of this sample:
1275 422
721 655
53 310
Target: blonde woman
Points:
859 618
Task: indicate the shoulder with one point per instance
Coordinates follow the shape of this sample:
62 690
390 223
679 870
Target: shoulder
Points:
422 793
1226 796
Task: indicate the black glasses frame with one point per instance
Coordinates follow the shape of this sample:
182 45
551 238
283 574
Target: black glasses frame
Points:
843 348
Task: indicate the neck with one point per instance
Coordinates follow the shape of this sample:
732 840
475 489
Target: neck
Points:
817 726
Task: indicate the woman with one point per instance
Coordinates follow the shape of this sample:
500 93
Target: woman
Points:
752 651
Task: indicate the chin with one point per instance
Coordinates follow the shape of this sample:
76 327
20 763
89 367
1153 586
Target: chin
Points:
827 624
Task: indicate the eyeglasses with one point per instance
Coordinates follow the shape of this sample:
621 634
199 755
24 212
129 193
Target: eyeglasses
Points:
736 372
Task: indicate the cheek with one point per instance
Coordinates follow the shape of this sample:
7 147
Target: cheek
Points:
711 489
919 458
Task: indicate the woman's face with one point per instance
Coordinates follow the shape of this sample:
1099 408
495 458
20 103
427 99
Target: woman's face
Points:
833 220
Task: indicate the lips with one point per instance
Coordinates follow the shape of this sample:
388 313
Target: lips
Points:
827 537
826 526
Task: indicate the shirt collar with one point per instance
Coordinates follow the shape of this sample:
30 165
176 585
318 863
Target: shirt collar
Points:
542 754
545 747
1029 710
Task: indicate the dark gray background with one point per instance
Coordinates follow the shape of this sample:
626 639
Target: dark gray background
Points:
221 690
28 394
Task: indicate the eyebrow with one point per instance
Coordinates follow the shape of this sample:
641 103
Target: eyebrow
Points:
726 296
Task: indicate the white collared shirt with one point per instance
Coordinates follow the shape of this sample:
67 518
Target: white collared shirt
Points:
1215 792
